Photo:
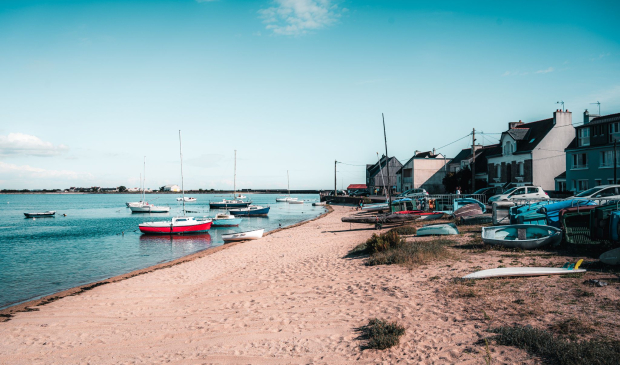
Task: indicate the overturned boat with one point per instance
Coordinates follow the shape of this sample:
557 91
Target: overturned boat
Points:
438 230
525 236
243 236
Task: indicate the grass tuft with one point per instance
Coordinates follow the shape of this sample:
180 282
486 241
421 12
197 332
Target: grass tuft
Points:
556 349
405 230
381 334
412 253
383 242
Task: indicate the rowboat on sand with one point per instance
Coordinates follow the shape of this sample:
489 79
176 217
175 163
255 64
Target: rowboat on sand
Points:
525 236
243 236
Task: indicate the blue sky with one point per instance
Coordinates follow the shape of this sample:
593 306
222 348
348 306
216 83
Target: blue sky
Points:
90 87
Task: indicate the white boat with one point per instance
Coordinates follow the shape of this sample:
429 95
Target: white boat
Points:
295 201
133 204
243 236
438 229
187 199
241 196
148 208
524 271
319 204
431 217
287 198
235 202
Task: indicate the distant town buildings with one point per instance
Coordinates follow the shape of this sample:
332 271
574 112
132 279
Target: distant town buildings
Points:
378 176
172 187
424 170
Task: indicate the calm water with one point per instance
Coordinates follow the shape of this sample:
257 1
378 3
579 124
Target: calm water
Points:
99 238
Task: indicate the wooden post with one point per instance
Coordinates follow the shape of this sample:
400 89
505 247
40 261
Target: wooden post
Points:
615 164
335 191
473 164
387 164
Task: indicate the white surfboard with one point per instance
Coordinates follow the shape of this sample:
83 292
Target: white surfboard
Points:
523 271
611 257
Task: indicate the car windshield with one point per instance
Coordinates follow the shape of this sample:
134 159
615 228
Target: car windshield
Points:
589 192
509 191
481 191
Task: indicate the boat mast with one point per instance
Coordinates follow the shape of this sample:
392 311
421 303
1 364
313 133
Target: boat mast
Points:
235 178
288 184
182 186
144 181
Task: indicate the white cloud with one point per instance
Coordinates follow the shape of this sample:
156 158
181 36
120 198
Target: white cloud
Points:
297 17
25 171
600 57
550 69
25 144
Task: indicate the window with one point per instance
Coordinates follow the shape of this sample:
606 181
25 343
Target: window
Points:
499 170
614 129
580 161
518 191
598 182
606 193
583 135
561 185
582 185
607 158
407 172
508 148
574 184
521 169
610 181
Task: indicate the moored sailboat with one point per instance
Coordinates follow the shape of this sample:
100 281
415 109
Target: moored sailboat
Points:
177 225
234 202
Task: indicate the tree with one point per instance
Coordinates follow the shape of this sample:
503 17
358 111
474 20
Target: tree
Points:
122 189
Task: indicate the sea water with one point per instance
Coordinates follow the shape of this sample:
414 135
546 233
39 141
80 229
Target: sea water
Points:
99 237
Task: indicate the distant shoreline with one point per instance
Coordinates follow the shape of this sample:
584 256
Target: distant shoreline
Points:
167 192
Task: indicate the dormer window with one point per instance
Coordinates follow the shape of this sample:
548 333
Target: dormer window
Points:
509 148
583 136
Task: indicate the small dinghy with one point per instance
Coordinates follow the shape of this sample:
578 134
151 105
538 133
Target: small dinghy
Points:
611 257
48 214
524 271
460 203
438 230
525 236
375 207
295 201
243 236
468 210
285 199
319 204
187 199
225 220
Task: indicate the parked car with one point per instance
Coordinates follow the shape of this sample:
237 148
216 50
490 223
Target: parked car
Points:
359 193
607 192
340 193
521 193
413 193
487 192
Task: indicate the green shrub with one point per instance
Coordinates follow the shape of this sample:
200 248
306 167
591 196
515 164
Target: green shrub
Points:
381 334
405 230
411 253
557 350
383 242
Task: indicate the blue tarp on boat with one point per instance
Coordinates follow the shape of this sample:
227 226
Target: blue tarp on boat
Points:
552 211
459 203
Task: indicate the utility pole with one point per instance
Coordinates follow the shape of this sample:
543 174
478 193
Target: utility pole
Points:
473 163
335 192
387 164
615 164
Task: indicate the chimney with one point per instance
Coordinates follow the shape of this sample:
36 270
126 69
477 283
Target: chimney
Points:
513 125
434 152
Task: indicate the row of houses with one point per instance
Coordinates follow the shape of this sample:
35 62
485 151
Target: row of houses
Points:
551 153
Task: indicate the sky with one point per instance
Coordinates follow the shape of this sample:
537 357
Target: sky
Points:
89 88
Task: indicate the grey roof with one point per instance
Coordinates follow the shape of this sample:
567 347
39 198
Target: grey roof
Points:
518 133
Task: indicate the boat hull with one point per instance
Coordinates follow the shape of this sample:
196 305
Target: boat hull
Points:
175 229
525 236
50 214
231 205
250 213
149 209
438 230
243 236
611 257
226 222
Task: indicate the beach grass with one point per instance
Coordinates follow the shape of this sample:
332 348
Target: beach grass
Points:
556 349
381 334
412 253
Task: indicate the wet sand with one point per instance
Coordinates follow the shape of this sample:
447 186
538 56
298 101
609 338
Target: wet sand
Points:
289 298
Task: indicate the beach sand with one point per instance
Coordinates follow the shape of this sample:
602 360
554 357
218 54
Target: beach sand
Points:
289 298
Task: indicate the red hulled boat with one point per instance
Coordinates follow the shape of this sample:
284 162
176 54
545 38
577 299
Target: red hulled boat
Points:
176 226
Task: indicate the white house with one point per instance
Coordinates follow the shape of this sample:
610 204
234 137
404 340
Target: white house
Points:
532 153
172 187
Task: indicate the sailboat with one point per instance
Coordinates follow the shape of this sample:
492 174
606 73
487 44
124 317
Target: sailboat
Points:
177 225
235 202
287 198
143 206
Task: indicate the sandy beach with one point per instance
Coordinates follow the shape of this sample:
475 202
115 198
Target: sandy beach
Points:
293 298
